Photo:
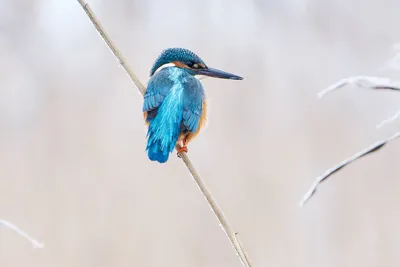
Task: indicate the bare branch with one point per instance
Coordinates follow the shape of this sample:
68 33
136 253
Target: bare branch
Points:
389 120
363 81
199 181
233 237
111 45
366 82
393 63
34 242
373 148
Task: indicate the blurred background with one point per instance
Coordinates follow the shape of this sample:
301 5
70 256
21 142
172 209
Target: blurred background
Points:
73 168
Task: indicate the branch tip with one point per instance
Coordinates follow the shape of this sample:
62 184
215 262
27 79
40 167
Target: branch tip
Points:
373 148
13 227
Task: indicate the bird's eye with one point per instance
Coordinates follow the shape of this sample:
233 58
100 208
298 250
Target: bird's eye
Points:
193 65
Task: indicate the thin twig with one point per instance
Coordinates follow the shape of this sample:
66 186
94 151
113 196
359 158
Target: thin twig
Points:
199 181
373 148
217 211
34 242
363 81
393 63
367 82
389 120
112 46
378 83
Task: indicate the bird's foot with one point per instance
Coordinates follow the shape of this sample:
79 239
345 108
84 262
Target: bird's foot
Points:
181 150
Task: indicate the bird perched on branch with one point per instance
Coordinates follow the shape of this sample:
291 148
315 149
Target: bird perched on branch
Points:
174 105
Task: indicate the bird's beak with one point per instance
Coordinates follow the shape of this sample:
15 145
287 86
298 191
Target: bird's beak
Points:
218 74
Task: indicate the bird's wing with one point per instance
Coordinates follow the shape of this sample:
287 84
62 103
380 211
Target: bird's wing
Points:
193 105
157 88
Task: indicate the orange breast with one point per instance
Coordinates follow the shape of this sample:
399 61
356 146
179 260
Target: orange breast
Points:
145 117
202 123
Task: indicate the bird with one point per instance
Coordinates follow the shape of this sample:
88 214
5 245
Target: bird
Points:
174 106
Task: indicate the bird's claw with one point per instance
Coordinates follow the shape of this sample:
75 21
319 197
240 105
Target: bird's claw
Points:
180 150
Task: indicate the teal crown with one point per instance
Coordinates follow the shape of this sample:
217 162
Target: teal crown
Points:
176 54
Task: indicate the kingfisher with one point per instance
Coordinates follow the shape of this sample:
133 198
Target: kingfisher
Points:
174 105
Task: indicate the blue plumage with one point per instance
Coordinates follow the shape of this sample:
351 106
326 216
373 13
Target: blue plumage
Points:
174 101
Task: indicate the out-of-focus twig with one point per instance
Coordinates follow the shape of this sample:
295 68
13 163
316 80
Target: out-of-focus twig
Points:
34 242
393 63
389 120
373 148
366 82
363 81
199 181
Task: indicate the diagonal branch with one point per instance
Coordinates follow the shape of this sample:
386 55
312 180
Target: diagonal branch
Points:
34 242
112 46
199 181
389 120
373 148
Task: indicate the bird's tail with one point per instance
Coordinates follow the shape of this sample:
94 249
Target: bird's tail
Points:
162 135
156 152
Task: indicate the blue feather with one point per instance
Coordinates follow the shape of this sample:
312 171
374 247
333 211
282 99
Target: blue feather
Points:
193 105
178 97
173 102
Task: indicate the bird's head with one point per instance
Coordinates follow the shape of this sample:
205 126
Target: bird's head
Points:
193 64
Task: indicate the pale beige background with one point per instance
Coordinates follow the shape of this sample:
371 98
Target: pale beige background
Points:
73 169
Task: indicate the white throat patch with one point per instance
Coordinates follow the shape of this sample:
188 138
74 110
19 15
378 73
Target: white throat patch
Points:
164 66
171 64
